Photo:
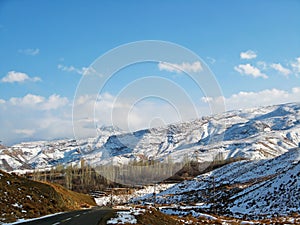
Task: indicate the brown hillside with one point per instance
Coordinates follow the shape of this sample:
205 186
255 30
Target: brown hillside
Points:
23 198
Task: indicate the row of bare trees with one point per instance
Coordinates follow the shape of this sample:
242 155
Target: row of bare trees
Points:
85 178
81 178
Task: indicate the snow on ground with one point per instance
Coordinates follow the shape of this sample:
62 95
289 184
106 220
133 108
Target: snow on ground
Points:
126 217
280 195
185 211
32 219
137 193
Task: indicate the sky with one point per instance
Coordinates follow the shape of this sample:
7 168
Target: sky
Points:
251 48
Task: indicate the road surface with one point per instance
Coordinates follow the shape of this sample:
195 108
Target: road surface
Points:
81 217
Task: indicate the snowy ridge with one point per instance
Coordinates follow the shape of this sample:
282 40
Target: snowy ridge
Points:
259 133
45 154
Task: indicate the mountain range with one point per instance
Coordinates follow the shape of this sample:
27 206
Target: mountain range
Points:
257 133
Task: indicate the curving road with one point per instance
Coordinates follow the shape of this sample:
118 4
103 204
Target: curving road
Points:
81 217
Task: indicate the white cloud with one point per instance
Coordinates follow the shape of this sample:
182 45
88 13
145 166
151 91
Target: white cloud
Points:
54 102
39 102
126 113
296 90
68 68
35 117
207 99
179 68
73 69
28 99
266 97
18 77
2 101
25 132
278 67
248 55
142 114
29 51
51 117
250 70
296 66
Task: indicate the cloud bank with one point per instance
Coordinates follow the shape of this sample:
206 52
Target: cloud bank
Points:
243 100
51 117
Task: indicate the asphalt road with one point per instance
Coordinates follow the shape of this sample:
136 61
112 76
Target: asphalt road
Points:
81 217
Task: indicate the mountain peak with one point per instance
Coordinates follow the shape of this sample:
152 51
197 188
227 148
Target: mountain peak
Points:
111 129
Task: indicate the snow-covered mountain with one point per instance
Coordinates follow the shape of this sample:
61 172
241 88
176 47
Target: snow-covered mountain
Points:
259 133
246 188
43 154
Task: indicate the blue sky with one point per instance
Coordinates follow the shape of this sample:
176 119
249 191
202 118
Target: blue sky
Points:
252 47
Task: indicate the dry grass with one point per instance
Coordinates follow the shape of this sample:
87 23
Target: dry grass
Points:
73 200
153 216
23 198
